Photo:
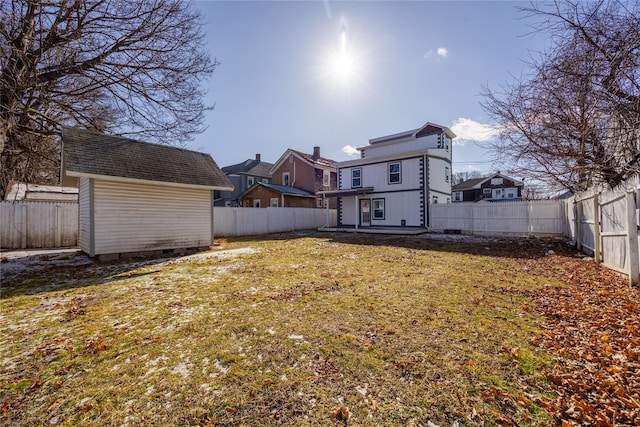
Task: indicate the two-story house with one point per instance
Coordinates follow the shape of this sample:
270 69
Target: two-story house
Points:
243 176
296 179
496 187
395 179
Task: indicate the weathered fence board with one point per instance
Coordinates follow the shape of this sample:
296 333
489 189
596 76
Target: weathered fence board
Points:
25 225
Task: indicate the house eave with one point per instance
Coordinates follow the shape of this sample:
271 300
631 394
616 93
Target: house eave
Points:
146 182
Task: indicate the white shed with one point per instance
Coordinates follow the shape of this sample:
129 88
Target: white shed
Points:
138 197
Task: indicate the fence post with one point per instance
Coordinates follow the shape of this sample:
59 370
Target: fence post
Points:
632 239
597 256
23 227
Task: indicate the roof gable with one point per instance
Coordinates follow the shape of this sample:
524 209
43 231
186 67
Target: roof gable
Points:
94 154
249 167
318 162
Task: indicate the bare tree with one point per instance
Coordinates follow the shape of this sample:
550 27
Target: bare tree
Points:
574 120
130 68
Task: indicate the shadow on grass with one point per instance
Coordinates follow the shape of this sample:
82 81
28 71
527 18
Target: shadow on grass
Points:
61 276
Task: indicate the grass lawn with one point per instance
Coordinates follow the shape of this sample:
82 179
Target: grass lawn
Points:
291 329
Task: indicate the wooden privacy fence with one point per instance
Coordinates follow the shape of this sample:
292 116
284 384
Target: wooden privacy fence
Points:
252 221
25 225
527 218
605 223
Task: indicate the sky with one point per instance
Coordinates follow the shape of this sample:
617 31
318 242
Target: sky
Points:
335 74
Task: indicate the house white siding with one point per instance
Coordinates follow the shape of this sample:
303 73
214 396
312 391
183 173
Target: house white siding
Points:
140 217
438 186
84 215
382 149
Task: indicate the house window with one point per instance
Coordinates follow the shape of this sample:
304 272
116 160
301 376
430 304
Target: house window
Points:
285 179
486 193
318 203
356 178
447 142
256 203
378 208
446 174
435 200
457 196
273 202
394 173
250 181
511 193
326 178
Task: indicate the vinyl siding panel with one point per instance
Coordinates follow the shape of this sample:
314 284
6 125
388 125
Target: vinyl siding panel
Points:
137 217
84 215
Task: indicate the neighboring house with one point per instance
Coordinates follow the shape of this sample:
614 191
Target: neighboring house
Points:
496 187
20 191
264 195
309 172
396 179
243 176
137 197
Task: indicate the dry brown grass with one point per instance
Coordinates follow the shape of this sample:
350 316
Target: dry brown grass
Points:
309 329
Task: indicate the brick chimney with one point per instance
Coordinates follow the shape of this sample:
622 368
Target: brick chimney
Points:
316 153
258 156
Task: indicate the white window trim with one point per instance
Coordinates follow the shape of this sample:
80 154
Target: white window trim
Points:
286 179
399 173
326 178
359 178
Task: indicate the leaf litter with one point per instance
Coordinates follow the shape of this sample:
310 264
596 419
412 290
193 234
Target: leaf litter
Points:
311 329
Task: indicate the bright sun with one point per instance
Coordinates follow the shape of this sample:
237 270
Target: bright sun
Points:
342 65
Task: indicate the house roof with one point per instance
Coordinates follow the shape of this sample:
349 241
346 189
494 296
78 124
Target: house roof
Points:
94 154
470 184
319 162
426 129
282 189
249 167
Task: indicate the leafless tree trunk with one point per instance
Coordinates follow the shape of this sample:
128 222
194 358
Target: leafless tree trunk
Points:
574 120
131 68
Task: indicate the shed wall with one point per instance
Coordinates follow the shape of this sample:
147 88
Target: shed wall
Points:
84 215
139 217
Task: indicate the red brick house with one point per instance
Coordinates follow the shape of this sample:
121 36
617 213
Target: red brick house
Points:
309 172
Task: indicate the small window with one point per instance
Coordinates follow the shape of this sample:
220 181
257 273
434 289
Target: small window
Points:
486 192
378 208
318 203
250 181
446 174
457 196
435 200
326 178
394 173
356 178
285 179
256 203
273 202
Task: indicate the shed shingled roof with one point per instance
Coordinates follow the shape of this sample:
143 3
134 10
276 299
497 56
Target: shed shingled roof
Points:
92 153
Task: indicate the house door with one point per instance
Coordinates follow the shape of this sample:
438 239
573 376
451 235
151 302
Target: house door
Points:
365 212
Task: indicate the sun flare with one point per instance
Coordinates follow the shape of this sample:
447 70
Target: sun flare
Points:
342 65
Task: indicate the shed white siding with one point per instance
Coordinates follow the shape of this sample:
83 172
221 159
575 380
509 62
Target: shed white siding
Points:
84 214
138 217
